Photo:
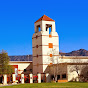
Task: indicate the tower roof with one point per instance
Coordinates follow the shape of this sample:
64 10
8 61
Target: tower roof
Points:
45 18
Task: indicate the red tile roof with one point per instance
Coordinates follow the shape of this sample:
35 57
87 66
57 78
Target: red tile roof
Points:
44 17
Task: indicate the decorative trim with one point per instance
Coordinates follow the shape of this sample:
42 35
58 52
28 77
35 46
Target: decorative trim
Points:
44 55
50 36
40 64
43 35
20 61
50 45
44 45
50 55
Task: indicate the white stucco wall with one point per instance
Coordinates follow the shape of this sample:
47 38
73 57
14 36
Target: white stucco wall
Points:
21 65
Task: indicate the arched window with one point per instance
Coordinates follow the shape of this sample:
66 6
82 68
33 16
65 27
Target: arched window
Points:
38 29
49 28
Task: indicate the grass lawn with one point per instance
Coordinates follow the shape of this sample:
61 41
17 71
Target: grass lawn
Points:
50 85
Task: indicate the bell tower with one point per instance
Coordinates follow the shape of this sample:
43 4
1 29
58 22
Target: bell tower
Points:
44 40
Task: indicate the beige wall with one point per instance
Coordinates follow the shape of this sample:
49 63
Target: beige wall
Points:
77 72
21 65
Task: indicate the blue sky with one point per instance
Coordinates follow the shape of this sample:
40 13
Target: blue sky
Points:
17 19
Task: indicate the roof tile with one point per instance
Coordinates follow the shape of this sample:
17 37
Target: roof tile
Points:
45 18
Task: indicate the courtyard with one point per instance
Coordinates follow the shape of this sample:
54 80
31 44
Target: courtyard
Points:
50 85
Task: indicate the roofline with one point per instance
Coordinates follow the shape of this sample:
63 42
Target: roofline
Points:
20 61
41 19
70 64
21 55
74 57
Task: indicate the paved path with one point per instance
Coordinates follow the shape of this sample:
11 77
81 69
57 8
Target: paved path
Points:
1 85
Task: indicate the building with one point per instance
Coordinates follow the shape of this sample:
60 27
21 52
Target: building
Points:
44 40
46 58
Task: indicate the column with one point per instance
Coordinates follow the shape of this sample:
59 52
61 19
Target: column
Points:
31 78
14 78
5 79
22 78
39 78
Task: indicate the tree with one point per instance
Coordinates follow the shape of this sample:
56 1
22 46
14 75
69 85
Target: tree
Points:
54 61
5 68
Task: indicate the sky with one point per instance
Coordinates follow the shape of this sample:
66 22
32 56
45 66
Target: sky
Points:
17 19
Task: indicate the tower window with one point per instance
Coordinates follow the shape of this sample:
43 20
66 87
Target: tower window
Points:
38 28
49 28
50 45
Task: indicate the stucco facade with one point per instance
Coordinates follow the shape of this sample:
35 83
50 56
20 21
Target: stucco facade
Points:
43 41
22 67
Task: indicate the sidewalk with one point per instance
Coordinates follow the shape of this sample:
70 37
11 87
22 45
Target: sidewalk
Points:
1 85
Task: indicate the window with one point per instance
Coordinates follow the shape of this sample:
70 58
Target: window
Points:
58 77
38 29
49 28
64 76
52 77
50 45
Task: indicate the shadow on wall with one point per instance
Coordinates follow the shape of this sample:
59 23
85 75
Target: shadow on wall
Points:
82 75
28 70
59 70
